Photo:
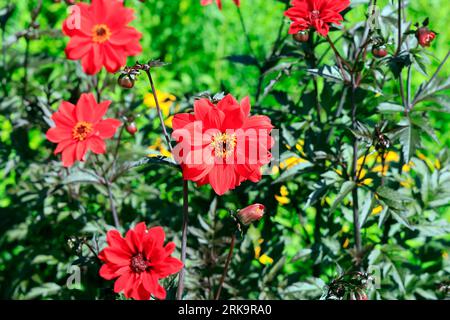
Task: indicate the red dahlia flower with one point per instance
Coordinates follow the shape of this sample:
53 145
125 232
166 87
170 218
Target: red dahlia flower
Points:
222 144
81 128
317 14
99 35
138 261
218 2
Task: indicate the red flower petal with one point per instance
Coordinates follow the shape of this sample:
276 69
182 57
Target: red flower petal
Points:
97 145
68 155
107 128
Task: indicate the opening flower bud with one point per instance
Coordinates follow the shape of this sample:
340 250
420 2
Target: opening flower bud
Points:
301 36
251 214
425 36
379 51
131 128
126 81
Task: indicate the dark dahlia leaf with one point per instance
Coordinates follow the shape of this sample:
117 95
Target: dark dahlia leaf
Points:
243 59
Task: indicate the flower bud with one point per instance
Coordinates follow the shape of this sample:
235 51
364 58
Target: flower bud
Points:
126 81
131 128
251 214
379 51
425 36
302 36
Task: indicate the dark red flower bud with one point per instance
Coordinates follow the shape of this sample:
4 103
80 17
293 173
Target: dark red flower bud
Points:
302 36
126 81
132 128
425 36
379 51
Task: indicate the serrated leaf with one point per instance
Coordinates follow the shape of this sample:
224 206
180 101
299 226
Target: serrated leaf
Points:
346 188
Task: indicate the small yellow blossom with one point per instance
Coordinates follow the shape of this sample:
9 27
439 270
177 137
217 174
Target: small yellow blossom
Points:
445 254
282 198
257 252
168 122
275 170
423 157
166 100
346 243
290 162
377 210
158 146
392 156
437 164
345 228
265 259
408 183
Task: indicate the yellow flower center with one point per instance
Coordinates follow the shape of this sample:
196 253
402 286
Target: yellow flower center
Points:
223 144
81 130
101 33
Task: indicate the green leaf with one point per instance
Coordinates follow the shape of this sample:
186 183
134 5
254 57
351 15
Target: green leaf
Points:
243 59
346 188
410 140
292 172
82 177
387 107
327 72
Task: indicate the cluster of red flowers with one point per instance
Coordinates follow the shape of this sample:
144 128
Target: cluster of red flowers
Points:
100 36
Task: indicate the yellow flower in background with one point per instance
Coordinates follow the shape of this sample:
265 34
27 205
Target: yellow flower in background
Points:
346 243
423 157
407 166
437 164
166 100
168 122
283 197
263 259
445 254
391 156
377 210
408 183
299 146
290 162
159 149
345 228
366 181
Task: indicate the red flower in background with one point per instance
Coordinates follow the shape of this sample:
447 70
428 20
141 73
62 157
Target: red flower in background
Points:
218 2
81 128
100 37
138 261
317 14
222 144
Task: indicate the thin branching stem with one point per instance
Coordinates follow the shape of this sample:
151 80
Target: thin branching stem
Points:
227 264
180 288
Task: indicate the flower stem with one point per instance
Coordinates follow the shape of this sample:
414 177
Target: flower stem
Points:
339 59
113 206
247 36
357 227
183 239
227 264
158 109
